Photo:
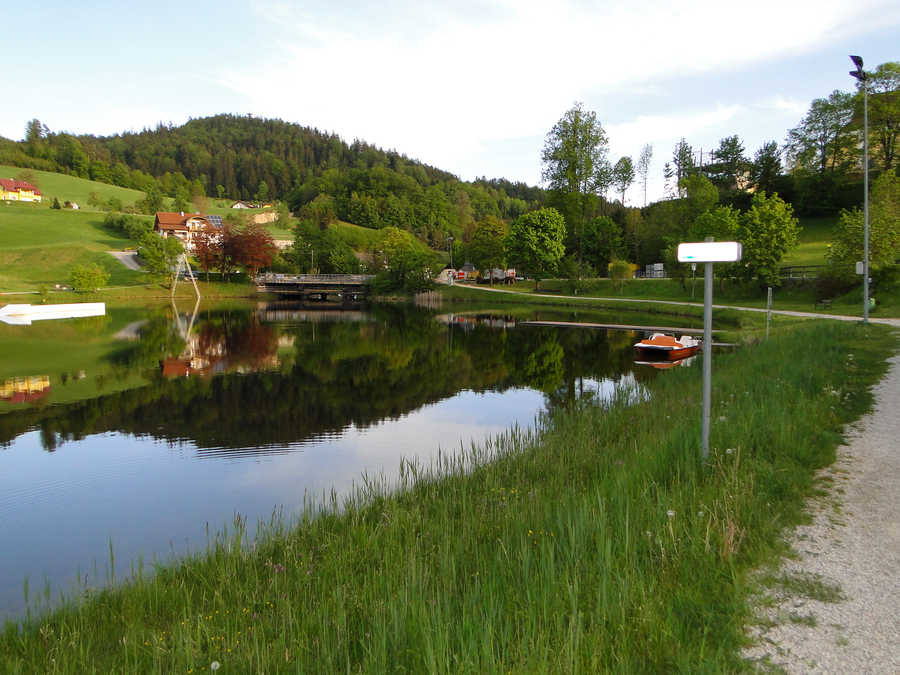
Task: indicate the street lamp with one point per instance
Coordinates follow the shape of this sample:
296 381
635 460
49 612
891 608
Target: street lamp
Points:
862 76
450 239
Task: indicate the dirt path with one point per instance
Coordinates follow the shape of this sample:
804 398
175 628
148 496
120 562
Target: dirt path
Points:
839 611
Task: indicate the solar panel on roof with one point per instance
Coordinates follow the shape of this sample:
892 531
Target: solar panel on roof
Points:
215 221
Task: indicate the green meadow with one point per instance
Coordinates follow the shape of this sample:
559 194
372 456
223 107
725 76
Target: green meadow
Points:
40 246
71 188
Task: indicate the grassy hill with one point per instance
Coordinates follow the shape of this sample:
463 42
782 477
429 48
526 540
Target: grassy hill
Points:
815 233
70 188
40 246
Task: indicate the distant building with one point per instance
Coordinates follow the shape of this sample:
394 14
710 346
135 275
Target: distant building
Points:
184 226
19 191
243 205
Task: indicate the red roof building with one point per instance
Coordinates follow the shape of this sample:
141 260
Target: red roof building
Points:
19 191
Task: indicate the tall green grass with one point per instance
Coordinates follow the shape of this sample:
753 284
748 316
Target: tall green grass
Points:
600 542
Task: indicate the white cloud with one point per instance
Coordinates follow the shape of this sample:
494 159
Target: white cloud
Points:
442 85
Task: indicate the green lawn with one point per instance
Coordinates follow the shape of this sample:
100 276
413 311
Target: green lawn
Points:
815 233
70 188
40 247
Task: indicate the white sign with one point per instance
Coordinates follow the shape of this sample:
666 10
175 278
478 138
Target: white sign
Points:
860 268
709 251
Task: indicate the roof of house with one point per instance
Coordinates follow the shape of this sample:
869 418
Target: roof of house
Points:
175 220
12 185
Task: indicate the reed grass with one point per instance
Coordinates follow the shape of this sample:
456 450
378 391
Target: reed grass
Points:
598 542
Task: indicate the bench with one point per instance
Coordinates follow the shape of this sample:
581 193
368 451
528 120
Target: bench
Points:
824 304
547 290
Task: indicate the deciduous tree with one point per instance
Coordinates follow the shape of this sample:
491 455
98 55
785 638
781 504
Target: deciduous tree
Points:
487 248
766 167
823 139
643 167
623 176
575 165
884 227
884 110
766 232
535 242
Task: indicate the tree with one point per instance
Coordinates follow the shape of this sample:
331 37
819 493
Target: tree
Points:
766 167
536 242
822 141
252 247
262 192
643 167
153 200
766 232
884 110
207 249
320 210
90 277
160 254
623 176
486 250
602 241
574 159
730 163
682 162
884 227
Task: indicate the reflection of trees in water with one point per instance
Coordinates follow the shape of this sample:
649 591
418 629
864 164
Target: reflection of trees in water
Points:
341 374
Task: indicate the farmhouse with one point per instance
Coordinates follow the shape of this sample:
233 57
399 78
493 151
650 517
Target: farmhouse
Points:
184 226
19 191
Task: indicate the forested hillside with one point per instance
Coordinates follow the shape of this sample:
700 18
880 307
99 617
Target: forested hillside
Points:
249 158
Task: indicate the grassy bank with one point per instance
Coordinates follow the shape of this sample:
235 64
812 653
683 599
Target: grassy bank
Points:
601 543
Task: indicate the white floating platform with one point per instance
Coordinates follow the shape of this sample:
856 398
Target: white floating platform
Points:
23 315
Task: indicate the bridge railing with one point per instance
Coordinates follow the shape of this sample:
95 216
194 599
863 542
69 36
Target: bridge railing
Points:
274 278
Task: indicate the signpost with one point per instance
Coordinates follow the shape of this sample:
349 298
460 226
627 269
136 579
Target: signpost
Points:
708 252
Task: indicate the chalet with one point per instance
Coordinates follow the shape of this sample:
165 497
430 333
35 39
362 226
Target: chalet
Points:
243 205
184 226
19 191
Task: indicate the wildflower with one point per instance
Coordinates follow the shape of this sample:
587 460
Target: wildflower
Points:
670 513
699 514
729 451
722 418
215 665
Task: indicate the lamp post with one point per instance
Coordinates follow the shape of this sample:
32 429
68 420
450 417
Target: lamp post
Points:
862 76
450 246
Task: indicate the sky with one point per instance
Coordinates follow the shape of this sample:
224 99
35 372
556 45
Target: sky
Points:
471 87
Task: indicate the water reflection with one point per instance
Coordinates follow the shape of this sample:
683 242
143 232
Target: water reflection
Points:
158 423
260 380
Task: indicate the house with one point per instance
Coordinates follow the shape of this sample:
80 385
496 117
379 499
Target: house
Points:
184 226
243 205
19 191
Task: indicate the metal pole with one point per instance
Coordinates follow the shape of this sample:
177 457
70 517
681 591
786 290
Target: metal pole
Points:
865 87
768 310
707 351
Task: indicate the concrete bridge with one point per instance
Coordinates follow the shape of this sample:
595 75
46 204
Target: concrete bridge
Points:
315 286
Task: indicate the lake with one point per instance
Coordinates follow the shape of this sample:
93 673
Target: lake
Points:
134 437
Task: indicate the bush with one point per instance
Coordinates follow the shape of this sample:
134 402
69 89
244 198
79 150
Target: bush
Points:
87 278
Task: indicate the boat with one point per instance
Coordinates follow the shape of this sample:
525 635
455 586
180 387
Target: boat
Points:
662 346
23 315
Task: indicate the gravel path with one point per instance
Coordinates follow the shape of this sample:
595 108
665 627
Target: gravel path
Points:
845 616
127 258
783 312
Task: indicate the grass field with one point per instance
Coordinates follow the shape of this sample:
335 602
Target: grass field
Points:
41 247
71 188
815 233
599 544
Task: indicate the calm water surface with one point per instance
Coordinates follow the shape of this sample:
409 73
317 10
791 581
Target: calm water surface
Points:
142 431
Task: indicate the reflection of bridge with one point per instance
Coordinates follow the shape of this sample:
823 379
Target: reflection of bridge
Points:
315 286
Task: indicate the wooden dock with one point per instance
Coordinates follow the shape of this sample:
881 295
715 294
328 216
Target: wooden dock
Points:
615 326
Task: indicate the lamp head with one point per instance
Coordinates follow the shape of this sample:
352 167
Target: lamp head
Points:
857 61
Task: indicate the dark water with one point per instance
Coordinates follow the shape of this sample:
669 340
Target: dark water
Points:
142 429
